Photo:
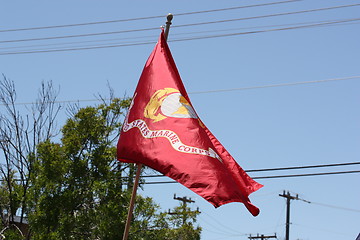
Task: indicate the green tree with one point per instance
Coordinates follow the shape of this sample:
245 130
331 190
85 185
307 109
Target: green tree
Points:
80 191
72 188
77 190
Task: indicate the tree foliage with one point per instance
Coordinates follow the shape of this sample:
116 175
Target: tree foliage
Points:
77 190
80 190
73 187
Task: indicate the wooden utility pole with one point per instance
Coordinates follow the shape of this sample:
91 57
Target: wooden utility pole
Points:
288 199
184 201
262 237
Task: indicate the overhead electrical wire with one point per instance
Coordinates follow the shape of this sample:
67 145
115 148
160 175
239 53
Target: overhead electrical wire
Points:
79 49
287 168
219 224
217 231
234 8
174 34
268 30
84 41
278 176
281 169
178 26
225 231
146 18
304 167
79 35
154 36
219 90
346 235
307 174
336 207
332 23
259 177
276 85
269 15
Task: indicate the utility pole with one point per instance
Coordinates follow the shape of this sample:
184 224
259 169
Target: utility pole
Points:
288 199
184 211
262 237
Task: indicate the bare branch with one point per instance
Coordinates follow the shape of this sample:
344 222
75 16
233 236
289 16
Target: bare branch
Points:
20 133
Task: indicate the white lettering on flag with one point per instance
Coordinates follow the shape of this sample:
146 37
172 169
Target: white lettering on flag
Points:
169 135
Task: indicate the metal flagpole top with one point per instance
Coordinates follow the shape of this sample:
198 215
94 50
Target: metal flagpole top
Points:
169 18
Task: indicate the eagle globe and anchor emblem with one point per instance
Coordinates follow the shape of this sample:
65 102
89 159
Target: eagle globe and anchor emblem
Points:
169 102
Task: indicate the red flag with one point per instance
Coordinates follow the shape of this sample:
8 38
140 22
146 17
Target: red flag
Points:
163 131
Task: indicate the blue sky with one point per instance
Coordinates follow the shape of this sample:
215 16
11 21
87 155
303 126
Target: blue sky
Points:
262 127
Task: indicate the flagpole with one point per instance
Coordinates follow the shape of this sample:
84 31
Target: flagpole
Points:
132 201
169 18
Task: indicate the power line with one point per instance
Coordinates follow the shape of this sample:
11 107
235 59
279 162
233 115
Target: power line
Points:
268 30
154 36
307 174
287 168
304 167
278 176
269 15
258 177
80 35
276 85
239 7
77 49
175 34
336 207
323 230
86 41
80 24
146 18
219 224
220 90
184 25
183 39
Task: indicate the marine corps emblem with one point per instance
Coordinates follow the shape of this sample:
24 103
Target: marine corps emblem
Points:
169 102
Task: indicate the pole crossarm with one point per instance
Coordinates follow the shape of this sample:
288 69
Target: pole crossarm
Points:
262 236
183 199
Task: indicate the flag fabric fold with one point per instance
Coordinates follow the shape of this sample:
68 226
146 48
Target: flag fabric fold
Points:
163 131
